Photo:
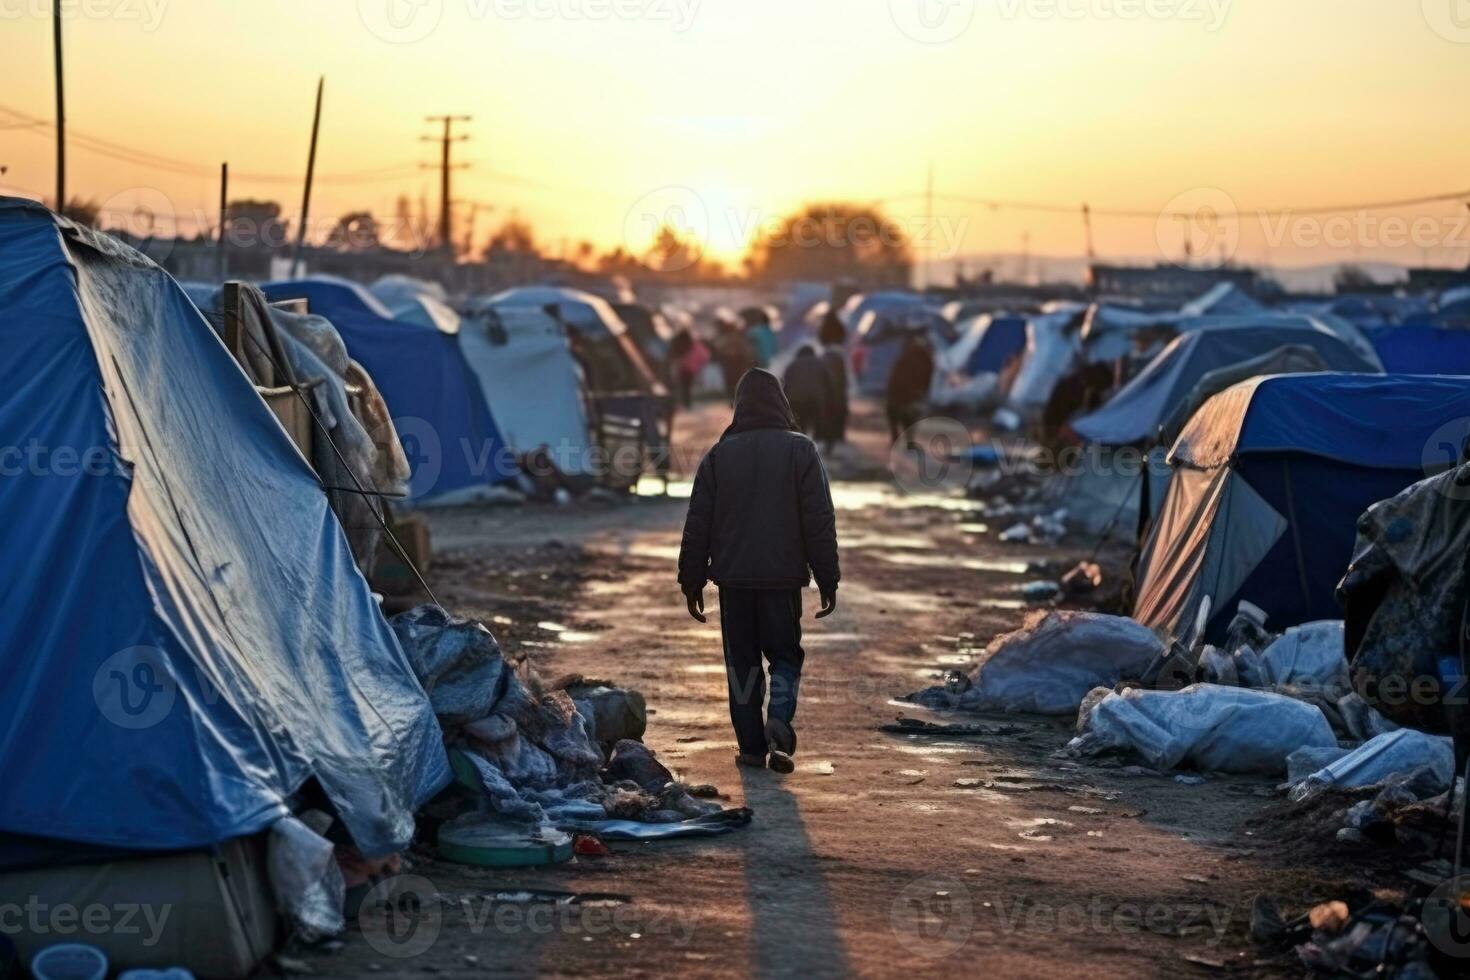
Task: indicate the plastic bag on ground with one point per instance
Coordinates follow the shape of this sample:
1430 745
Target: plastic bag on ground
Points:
1204 726
1308 655
1379 758
307 882
1050 663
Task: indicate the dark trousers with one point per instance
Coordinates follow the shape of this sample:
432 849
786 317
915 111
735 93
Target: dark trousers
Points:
755 622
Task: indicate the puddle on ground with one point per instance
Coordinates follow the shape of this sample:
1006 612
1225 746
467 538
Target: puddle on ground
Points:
705 669
652 486
974 528
551 627
949 561
870 541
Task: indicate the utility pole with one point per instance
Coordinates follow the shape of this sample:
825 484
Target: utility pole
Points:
1087 229
928 228
224 196
316 125
60 109
445 141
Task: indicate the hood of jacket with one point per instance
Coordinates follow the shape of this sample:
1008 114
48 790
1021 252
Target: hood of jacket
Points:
760 403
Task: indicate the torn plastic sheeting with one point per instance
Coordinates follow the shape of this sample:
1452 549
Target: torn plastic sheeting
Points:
306 879
1050 663
1375 760
1208 727
1310 654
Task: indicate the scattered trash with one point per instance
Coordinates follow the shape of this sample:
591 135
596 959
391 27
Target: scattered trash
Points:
1190 779
1050 664
1016 533
1204 726
1084 577
1040 591
819 768
585 845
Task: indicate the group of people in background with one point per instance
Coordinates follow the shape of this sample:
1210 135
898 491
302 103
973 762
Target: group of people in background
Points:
816 380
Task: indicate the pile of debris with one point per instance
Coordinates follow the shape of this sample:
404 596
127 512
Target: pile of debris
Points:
536 757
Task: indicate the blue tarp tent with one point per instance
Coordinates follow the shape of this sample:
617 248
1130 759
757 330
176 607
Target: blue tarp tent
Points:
441 414
1269 479
1001 339
1422 349
1136 411
192 642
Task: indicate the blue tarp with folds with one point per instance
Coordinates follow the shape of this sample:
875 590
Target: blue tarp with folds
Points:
1004 338
1135 413
1422 349
185 640
1383 421
448 433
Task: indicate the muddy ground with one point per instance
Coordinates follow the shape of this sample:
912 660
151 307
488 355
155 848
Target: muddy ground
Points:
884 855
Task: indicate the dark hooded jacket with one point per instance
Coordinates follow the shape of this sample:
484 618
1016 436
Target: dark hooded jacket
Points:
761 515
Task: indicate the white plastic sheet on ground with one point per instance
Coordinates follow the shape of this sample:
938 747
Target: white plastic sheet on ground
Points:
1375 760
1206 727
1049 664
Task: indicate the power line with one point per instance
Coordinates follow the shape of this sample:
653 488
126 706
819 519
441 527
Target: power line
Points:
999 204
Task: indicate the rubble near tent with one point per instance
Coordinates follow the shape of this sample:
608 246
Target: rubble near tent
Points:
206 657
1269 477
448 432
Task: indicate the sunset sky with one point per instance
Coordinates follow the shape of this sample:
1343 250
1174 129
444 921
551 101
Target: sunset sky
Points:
730 112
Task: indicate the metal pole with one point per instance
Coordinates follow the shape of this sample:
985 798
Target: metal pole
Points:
316 123
224 196
60 110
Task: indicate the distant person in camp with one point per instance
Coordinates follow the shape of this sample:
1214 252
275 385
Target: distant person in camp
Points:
762 338
688 356
809 387
761 526
833 336
908 386
735 353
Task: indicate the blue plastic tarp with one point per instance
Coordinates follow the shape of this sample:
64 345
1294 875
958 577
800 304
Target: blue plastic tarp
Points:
186 640
1136 411
1004 338
1380 421
443 420
1422 349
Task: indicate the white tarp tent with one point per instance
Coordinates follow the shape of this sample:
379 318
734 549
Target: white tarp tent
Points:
532 383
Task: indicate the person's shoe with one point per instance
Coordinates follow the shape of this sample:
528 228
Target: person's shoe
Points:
753 761
782 763
780 737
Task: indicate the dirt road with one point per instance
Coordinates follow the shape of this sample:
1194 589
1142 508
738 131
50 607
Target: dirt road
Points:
883 855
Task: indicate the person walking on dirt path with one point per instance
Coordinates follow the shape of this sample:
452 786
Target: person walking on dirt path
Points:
809 387
909 381
761 526
833 337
